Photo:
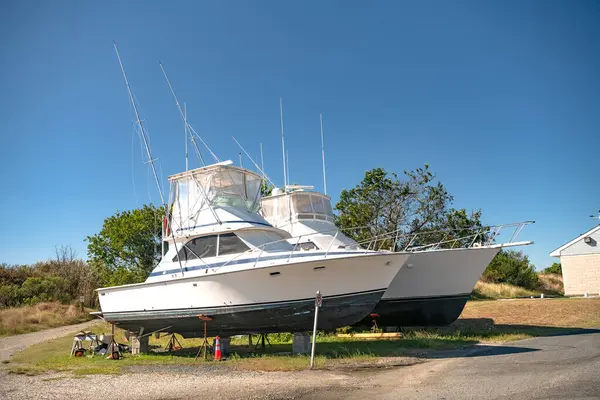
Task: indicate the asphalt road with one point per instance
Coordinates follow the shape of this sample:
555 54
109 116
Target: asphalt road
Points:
559 367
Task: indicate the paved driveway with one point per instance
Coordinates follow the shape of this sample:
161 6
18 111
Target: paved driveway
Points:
559 367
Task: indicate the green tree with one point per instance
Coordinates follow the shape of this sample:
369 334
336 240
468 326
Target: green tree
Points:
459 229
555 268
512 267
384 203
128 247
265 189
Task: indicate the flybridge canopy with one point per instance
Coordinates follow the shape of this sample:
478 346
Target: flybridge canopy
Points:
197 195
285 208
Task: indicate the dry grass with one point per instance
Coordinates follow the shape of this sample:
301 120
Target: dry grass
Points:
40 316
484 290
551 284
572 313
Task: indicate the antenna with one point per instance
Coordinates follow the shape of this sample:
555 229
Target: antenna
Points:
185 129
262 161
283 145
190 128
323 154
147 146
240 155
262 171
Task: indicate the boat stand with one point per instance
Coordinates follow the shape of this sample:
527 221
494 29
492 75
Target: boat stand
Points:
173 344
113 347
374 317
206 348
261 341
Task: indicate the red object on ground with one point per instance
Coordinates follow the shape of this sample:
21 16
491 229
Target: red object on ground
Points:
218 355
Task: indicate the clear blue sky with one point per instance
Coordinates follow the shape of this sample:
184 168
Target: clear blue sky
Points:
501 98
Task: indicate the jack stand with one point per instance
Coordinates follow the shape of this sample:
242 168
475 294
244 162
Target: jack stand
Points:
113 347
261 341
205 347
374 328
173 344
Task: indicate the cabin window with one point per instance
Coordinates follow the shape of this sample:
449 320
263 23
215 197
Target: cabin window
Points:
205 246
229 243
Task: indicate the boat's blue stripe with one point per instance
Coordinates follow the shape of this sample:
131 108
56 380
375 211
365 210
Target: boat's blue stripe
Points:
224 222
246 261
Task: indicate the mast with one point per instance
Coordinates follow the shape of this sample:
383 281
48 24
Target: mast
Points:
323 154
147 146
283 145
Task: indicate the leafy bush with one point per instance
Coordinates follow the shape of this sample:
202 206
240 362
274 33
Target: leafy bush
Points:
555 268
512 267
63 279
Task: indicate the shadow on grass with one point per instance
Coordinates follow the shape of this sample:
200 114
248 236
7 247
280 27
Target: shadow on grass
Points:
486 328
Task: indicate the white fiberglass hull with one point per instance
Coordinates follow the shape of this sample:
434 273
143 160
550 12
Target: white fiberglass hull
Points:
434 287
264 298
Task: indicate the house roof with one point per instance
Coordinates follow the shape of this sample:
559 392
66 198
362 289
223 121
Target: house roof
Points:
556 253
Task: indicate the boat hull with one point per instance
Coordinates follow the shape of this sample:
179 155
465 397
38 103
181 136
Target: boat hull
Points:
430 311
276 298
433 288
292 316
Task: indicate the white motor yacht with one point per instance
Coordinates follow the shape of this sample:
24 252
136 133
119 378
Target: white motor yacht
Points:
226 264
431 290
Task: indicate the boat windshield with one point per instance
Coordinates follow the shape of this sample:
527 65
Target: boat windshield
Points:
281 210
222 186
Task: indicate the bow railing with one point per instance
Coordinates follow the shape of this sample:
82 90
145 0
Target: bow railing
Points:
402 242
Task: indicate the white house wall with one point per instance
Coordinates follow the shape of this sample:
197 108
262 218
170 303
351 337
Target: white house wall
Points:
581 274
580 247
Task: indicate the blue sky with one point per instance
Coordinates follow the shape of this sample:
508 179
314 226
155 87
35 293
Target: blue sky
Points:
502 99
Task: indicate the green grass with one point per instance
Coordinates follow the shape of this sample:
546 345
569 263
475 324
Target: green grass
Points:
481 322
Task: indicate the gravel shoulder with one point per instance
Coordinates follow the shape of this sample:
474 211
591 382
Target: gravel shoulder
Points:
11 344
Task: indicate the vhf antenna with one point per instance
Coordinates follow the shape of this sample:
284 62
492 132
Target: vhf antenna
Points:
283 145
323 155
147 146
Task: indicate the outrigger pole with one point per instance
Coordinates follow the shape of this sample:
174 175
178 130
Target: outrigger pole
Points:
145 140
187 124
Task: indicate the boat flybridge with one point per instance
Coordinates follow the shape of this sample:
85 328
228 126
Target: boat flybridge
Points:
224 262
434 285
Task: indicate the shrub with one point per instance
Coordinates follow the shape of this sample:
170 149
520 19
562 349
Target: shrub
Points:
555 268
512 267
